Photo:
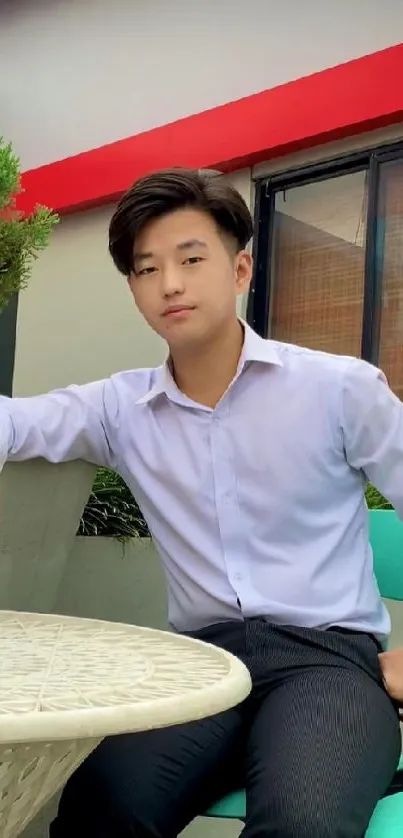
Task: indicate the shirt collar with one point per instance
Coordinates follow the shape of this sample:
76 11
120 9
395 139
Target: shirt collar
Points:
258 349
255 348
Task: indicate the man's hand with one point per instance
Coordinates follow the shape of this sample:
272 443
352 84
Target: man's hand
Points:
392 671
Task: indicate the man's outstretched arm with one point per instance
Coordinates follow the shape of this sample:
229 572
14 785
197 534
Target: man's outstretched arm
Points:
70 424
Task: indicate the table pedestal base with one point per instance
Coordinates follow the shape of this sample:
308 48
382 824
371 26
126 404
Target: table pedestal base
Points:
30 774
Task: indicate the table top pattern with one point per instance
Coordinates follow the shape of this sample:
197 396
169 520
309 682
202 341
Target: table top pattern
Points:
64 676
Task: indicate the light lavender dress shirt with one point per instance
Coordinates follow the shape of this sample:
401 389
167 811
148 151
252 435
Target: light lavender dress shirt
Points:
256 507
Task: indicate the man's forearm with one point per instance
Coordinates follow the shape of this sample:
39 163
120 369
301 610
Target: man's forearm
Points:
68 424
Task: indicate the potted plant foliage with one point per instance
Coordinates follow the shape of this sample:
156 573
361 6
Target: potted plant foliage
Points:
21 237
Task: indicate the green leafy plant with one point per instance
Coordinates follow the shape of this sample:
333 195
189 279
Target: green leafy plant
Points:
21 237
375 500
111 509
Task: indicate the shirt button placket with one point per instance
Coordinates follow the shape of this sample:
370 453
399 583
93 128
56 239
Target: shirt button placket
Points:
226 499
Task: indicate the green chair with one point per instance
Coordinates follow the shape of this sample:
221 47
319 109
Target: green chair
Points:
386 533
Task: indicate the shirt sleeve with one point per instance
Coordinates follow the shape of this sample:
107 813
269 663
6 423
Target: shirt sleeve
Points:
372 426
71 424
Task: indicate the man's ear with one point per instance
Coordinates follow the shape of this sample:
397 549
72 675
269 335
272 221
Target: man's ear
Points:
243 271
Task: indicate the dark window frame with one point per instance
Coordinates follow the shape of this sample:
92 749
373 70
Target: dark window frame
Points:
370 160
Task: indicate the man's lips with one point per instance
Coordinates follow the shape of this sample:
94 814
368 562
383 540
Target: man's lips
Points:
177 310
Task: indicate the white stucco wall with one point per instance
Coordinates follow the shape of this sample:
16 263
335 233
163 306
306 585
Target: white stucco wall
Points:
76 319
81 74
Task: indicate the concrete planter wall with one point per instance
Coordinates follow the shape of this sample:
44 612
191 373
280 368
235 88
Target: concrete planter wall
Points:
110 580
41 506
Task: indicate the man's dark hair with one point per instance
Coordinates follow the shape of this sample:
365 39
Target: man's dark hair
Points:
158 194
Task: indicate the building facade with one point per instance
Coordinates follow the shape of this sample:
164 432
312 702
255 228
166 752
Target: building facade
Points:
300 105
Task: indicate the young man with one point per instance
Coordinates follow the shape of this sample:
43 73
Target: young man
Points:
249 459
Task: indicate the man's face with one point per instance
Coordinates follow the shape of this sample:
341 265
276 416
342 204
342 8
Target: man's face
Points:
187 276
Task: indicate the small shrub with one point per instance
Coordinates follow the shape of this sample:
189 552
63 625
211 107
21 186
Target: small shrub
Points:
22 238
375 500
111 509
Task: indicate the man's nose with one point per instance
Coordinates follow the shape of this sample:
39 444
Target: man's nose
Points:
171 282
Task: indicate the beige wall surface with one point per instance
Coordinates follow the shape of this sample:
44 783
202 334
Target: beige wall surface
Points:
76 320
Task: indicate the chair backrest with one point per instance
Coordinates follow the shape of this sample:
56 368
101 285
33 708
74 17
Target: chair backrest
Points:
386 534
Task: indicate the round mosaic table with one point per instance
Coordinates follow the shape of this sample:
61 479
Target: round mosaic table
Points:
66 683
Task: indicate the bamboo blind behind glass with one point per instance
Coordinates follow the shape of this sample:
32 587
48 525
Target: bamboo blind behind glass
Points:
318 265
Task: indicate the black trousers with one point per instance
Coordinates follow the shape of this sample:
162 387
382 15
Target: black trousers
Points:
316 745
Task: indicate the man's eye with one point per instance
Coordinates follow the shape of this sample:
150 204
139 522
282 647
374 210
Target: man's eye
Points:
193 260
145 271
